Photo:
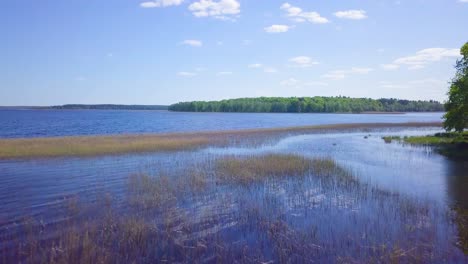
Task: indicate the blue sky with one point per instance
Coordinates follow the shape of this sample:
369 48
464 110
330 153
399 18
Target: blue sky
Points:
165 51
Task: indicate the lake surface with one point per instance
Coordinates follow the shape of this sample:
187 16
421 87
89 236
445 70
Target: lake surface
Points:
403 203
50 123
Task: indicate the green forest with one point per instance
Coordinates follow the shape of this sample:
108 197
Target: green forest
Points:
317 104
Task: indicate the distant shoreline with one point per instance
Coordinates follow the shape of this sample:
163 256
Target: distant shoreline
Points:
165 108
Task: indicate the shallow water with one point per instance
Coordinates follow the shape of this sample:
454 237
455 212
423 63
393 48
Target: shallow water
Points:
48 123
404 197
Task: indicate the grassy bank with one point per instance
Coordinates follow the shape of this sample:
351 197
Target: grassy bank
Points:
453 145
104 145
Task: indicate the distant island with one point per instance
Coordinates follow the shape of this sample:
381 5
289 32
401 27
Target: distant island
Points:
109 107
317 104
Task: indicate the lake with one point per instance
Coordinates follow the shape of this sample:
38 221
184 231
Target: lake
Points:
49 123
375 202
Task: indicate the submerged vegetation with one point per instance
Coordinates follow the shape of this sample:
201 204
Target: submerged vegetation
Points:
103 145
178 216
317 104
290 213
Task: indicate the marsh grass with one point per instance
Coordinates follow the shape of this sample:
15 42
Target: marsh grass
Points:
203 213
106 145
254 169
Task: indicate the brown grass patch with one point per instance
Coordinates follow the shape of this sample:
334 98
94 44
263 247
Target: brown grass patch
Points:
117 144
258 168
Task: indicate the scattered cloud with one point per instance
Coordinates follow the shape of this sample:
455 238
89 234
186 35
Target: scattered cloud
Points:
351 14
255 65
463 1
270 70
302 61
192 42
161 3
219 43
356 70
186 74
341 74
266 69
389 67
335 75
430 83
222 9
427 56
298 15
277 29
290 82
224 73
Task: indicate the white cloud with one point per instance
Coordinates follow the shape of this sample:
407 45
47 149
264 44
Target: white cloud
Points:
192 42
222 9
426 84
463 1
290 82
161 3
351 14
302 61
360 70
427 56
266 69
256 65
429 81
224 73
389 67
186 74
341 74
298 15
270 70
277 29
335 75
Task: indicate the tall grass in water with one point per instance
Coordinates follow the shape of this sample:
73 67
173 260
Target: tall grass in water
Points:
297 210
254 169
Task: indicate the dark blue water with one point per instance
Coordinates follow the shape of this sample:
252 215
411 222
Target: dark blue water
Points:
50 123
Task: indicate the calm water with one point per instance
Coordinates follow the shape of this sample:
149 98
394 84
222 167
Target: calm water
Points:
48 123
405 194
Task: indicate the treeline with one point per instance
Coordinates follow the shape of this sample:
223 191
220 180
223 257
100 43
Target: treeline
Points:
110 107
315 104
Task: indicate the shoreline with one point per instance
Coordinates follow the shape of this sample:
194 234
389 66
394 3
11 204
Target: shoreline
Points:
82 146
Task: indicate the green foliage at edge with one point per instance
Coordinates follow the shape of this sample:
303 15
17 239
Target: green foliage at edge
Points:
456 117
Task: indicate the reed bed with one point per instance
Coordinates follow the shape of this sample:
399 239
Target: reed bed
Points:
118 144
252 169
297 210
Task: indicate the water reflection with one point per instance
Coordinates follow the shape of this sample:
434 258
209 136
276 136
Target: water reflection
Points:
401 197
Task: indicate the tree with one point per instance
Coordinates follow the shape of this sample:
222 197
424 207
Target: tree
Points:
456 117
